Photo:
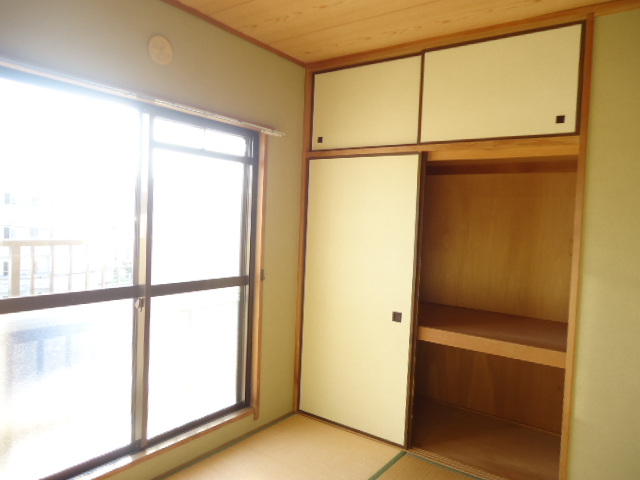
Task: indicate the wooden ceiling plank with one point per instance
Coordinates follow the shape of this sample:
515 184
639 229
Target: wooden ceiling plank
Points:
318 33
214 7
272 21
393 51
409 26
208 19
281 21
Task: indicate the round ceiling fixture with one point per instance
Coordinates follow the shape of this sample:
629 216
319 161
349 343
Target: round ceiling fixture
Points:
160 50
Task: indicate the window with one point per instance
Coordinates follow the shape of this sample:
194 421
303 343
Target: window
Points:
125 300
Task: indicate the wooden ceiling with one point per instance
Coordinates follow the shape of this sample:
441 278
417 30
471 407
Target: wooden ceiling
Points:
311 31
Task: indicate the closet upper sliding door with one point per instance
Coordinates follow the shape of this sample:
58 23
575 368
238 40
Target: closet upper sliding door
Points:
517 86
368 105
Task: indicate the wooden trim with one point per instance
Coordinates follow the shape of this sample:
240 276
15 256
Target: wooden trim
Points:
540 152
550 141
363 151
542 21
258 278
302 238
413 349
500 139
581 73
577 248
488 143
453 464
420 99
237 33
513 148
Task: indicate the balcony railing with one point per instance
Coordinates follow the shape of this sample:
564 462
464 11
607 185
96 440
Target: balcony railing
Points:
52 266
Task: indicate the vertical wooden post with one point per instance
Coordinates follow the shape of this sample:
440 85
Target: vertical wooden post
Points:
577 247
302 239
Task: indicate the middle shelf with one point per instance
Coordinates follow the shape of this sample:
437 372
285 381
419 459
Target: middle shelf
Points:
521 338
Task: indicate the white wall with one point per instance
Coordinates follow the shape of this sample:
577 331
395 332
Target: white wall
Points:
105 41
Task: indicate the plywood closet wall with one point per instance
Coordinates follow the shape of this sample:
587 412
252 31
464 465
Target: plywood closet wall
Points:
499 242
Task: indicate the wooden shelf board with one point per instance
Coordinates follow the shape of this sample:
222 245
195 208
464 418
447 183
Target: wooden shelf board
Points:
485 444
521 338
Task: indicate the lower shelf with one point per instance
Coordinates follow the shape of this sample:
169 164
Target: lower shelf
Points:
512 336
498 447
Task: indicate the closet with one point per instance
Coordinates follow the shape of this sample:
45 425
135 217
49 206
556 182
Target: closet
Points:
496 257
461 357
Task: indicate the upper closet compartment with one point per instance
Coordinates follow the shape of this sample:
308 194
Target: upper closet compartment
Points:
522 85
365 106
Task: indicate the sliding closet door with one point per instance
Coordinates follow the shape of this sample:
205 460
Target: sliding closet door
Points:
359 271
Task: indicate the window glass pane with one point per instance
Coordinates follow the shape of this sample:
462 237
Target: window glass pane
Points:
65 387
177 133
193 136
69 166
197 217
193 364
225 143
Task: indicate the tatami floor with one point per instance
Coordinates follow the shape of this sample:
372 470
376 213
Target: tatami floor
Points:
299 447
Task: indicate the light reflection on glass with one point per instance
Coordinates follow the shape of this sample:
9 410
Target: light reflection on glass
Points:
193 357
197 217
177 133
66 387
225 143
67 191
185 135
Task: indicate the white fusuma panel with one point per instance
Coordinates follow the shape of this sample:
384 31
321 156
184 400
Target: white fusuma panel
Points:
522 85
360 270
370 105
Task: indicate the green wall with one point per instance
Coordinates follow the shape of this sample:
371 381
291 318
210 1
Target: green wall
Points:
605 437
105 41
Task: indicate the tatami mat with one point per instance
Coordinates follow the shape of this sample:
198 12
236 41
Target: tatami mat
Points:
413 468
293 449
